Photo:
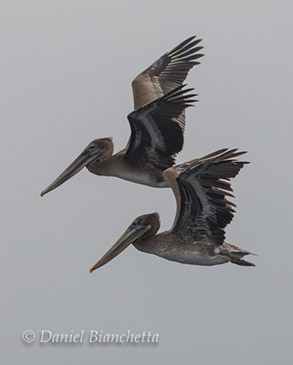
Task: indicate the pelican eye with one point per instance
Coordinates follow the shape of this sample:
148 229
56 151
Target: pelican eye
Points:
139 223
134 224
91 148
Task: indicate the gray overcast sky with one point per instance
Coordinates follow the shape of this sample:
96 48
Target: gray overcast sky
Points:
65 69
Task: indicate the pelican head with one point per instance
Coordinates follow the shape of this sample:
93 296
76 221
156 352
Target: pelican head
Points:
98 150
141 228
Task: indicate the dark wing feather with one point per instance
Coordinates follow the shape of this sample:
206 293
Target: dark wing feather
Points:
166 73
201 188
156 132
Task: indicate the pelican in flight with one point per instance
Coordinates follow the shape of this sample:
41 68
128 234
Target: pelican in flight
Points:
197 236
157 124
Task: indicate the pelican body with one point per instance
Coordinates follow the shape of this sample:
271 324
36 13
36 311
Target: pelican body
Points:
157 124
197 236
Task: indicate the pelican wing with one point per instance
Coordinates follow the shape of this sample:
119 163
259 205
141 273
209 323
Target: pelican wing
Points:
157 131
201 188
167 73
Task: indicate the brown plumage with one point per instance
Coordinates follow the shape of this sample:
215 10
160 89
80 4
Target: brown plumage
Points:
166 73
157 124
201 188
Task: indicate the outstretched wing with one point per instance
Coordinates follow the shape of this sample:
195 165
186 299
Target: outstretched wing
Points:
167 73
157 131
201 187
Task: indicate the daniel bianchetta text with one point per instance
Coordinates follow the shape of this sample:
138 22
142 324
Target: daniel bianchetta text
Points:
92 336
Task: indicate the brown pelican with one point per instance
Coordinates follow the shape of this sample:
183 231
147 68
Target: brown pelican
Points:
157 124
197 236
